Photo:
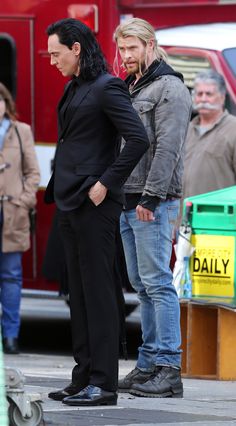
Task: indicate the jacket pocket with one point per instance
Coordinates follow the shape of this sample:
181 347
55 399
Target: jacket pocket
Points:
145 107
145 110
217 150
16 218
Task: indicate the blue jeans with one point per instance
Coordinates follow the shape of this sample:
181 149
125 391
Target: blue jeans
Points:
148 247
10 292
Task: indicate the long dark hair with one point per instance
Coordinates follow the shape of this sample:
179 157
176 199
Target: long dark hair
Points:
10 104
91 61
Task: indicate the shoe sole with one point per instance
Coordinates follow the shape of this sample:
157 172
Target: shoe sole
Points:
89 403
124 390
127 390
61 397
57 398
173 393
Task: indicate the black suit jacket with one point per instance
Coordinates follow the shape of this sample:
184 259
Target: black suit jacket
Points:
89 131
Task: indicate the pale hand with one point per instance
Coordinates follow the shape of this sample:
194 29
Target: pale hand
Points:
97 193
144 214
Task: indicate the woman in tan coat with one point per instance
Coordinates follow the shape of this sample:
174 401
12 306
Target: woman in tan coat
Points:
19 180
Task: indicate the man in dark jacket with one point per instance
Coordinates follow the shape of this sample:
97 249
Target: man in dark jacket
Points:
86 186
153 193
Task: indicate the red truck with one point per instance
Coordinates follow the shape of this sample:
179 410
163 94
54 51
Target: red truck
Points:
195 48
26 71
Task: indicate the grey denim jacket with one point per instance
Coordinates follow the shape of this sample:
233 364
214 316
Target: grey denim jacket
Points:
164 106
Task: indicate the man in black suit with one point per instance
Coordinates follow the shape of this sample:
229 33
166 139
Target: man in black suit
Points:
86 186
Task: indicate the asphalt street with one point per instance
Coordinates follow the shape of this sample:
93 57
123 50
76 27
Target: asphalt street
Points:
205 402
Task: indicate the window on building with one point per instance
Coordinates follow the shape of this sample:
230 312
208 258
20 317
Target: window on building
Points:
8 62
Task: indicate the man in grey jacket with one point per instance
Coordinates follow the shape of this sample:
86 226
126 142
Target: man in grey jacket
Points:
153 193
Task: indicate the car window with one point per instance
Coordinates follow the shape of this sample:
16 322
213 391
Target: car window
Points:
189 66
230 57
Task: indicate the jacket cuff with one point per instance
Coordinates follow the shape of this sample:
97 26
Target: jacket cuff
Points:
149 202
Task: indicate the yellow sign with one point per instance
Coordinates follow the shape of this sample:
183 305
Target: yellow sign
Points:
212 265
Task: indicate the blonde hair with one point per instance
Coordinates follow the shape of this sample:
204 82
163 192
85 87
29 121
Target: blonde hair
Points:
137 27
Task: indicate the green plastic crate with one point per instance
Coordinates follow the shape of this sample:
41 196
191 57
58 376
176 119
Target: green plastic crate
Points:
214 210
213 263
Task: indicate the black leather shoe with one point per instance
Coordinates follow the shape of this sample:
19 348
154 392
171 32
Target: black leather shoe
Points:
69 390
91 396
165 384
135 376
10 345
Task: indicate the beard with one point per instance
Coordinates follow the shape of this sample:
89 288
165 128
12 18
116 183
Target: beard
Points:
136 68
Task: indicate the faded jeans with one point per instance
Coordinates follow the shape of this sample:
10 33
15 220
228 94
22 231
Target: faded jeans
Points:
10 290
148 247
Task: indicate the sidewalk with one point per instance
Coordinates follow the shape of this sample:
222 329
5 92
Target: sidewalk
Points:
205 402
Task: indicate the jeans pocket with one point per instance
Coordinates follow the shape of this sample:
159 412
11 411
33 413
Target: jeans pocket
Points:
173 212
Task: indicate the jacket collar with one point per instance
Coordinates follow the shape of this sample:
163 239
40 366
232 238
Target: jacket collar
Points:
196 121
84 87
155 70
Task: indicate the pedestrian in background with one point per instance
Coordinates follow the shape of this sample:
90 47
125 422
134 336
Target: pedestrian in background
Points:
19 180
89 173
153 193
210 158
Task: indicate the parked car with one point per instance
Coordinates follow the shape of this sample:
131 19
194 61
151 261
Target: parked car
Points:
194 48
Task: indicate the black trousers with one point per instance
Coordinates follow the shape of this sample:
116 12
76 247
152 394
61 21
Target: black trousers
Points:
88 235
